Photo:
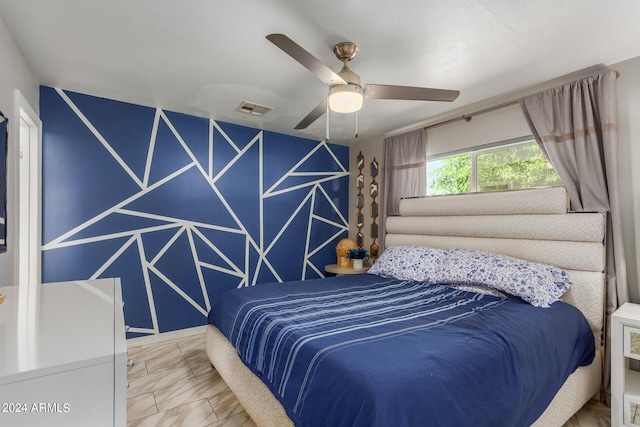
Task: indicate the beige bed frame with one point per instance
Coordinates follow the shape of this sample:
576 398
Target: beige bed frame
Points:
528 224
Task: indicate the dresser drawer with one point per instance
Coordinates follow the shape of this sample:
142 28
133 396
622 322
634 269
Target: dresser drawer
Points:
631 410
631 342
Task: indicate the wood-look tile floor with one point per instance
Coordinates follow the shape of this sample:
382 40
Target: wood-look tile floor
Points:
173 384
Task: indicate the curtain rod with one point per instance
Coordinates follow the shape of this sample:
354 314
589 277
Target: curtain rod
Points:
468 117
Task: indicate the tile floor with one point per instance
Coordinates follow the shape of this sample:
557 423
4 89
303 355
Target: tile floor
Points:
173 384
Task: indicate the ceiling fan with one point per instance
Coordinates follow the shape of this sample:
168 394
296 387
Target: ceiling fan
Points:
346 90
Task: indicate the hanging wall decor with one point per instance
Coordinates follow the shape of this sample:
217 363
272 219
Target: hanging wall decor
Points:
360 199
373 192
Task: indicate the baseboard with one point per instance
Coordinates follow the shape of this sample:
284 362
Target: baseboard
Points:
166 336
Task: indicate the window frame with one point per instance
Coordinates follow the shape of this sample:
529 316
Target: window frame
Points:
473 152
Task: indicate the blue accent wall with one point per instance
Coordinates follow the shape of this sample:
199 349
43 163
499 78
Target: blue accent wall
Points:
182 208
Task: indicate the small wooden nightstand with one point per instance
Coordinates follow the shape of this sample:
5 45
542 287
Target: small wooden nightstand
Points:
625 383
341 271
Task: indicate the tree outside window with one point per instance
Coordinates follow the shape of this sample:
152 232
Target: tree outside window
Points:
516 166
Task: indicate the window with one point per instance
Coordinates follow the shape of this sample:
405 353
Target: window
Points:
509 166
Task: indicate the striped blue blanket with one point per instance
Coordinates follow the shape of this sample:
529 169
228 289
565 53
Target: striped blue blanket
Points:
368 351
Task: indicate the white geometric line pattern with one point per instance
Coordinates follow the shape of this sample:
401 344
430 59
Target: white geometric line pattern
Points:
190 217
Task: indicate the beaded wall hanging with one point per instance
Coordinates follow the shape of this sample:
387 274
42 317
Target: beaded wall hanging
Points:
373 192
360 200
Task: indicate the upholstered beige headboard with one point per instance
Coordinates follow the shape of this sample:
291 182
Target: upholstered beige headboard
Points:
528 224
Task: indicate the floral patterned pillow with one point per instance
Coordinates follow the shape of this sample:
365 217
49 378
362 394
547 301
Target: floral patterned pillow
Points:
420 263
538 284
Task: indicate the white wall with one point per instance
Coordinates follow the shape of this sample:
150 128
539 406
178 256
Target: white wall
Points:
508 123
480 130
628 88
14 74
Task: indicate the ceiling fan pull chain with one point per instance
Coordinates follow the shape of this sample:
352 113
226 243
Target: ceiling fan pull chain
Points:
327 131
356 124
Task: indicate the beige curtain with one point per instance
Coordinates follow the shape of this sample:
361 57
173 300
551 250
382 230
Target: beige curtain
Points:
405 171
575 126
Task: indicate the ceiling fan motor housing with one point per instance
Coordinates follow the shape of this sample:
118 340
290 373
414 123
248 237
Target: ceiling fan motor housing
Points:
346 98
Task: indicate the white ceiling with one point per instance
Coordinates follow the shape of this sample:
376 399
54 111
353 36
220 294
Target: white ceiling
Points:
204 57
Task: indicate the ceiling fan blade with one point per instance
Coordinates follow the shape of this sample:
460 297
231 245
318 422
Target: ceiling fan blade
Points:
314 115
410 93
310 62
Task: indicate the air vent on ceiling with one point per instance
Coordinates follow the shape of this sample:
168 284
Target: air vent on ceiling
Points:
254 109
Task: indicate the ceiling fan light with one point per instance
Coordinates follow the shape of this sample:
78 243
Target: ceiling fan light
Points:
345 98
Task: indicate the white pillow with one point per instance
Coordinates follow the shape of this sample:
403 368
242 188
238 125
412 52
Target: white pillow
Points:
420 263
538 284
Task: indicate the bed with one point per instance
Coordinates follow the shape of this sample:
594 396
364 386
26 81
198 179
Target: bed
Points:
331 383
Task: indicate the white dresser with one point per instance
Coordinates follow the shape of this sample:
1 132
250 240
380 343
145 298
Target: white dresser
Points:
63 356
625 352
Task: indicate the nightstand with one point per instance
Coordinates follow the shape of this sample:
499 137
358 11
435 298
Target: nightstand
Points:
341 271
625 351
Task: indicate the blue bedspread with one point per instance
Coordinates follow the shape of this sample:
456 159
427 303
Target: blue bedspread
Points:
368 351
